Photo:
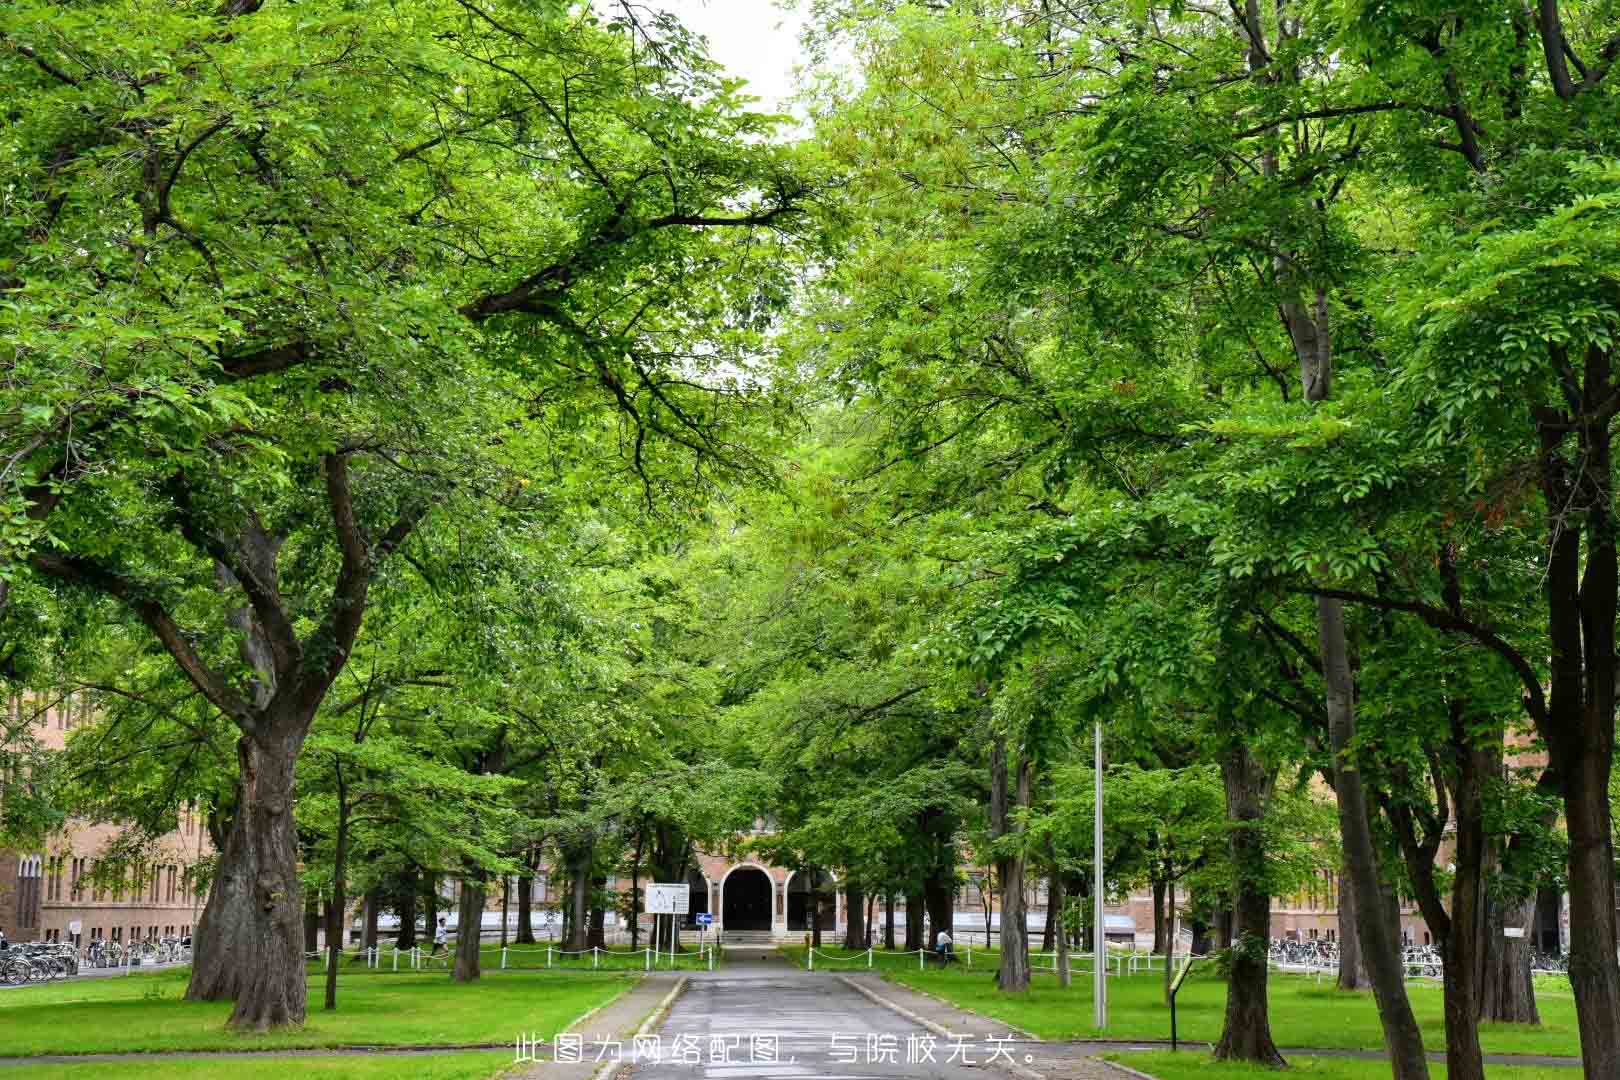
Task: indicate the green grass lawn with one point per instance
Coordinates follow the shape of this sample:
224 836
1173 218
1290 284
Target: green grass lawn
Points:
1302 1013
146 1013
1186 1066
469 1066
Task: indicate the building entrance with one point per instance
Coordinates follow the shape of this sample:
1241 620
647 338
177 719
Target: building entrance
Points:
747 901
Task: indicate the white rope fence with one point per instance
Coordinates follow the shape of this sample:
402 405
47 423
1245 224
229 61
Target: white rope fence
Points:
651 958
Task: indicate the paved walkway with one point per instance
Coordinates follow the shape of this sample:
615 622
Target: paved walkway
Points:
606 1033
762 1017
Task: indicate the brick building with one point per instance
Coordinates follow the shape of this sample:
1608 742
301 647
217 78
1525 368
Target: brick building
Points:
46 894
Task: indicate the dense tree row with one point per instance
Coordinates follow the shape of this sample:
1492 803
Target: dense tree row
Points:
451 438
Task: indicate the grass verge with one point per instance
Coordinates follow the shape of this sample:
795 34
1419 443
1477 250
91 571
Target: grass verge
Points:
1303 1013
1184 1066
147 1013
469 1066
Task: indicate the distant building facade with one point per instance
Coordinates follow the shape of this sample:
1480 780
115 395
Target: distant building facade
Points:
47 894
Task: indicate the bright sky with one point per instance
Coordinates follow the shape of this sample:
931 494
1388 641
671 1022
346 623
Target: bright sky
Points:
753 39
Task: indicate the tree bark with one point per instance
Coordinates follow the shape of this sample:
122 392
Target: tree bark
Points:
312 922
579 897
1507 990
1049 925
941 910
597 938
250 938
1352 969
469 928
914 921
1247 1035
1008 793
525 926
1161 927
1402 1036
407 910
1054 903
855 920
372 911
888 920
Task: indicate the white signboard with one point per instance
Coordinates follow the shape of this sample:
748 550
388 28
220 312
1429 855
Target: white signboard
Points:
1513 931
75 927
669 899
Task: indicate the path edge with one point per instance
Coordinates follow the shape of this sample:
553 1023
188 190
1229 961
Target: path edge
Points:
653 1019
938 1029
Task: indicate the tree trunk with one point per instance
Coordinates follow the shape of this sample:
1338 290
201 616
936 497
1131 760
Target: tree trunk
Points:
1592 962
373 909
579 898
249 942
1402 1036
469 929
813 898
1352 968
941 909
506 903
1050 923
312 922
888 920
1013 976
1247 1035
335 913
855 920
1161 926
430 893
871 904
597 938
525 926
407 911
1507 991
1054 903
914 921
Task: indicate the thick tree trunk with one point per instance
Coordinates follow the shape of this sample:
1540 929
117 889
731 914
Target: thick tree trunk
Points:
1402 1036
871 907
597 938
855 919
1507 991
372 911
1049 926
1247 1035
941 911
1009 793
1352 969
914 921
407 911
1161 926
888 920
249 942
469 929
1592 962
525 923
579 898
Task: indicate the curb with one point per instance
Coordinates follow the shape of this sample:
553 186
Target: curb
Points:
938 1029
654 1018
1126 1069
1026 1036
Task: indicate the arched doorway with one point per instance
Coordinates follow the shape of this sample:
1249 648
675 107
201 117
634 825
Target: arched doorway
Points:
746 903
798 901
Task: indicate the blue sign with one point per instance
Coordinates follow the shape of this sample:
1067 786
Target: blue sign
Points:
704 918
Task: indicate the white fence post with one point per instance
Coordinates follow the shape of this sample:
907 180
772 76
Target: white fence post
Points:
812 955
868 959
503 957
548 956
922 959
595 960
649 958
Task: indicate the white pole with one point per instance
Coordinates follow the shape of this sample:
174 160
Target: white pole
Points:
1100 972
503 958
868 959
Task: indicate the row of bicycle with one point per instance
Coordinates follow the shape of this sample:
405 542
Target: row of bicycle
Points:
42 961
